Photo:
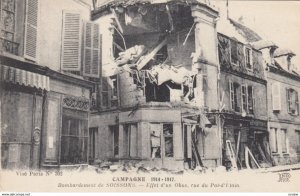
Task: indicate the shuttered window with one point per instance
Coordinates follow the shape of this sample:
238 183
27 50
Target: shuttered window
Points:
283 139
71 41
31 22
276 101
92 57
273 140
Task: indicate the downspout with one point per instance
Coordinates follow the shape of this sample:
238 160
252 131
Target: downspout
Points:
42 126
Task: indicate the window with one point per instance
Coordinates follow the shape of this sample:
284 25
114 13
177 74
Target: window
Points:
115 132
233 52
292 102
155 140
234 90
298 140
114 87
130 140
7 27
273 140
168 139
250 100
276 96
248 54
283 140
74 137
244 99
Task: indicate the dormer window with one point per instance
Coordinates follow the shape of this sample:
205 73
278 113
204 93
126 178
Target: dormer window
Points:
233 52
248 58
289 63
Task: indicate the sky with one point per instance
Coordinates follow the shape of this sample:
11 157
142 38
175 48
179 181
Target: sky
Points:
277 21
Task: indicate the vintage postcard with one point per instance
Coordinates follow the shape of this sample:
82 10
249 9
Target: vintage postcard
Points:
149 96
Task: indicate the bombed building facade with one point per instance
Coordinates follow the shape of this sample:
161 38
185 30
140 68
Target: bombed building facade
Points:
165 84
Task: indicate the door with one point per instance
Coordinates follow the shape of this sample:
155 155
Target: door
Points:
93 135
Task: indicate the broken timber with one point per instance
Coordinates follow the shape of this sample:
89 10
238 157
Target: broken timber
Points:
231 154
196 153
149 56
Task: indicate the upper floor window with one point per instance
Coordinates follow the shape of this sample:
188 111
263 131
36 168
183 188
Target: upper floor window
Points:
234 96
292 102
233 52
248 58
80 56
250 100
276 96
7 34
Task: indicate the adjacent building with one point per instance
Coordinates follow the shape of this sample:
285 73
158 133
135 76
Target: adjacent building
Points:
283 106
47 82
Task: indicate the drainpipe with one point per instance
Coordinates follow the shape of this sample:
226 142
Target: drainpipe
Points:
42 126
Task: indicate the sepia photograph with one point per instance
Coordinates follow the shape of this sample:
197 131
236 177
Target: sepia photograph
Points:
149 96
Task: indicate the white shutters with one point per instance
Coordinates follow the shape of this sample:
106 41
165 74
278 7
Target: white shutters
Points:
273 139
71 41
276 101
92 43
31 22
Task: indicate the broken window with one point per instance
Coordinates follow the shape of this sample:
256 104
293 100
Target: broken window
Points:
114 91
248 54
155 136
283 140
74 137
168 139
115 132
292 101
234 96
234 52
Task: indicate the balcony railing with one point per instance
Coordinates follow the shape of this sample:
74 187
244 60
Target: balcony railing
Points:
9 46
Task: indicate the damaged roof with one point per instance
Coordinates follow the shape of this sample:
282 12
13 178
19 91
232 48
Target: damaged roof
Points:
246 32
106 5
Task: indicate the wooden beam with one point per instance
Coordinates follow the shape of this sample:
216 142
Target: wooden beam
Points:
149 56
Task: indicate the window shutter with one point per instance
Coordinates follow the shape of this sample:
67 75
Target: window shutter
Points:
92 41
276 101
273 138
231 94
71 41
31 22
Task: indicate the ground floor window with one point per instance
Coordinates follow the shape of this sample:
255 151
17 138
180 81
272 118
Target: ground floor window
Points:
161 140
115 143
74 137
130 140
283 141
273 140
298 140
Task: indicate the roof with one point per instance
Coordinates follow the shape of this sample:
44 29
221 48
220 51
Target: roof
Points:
282 52
261 44
246 32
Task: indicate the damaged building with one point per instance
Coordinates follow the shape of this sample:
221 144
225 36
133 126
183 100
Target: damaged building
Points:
173 84
156 92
